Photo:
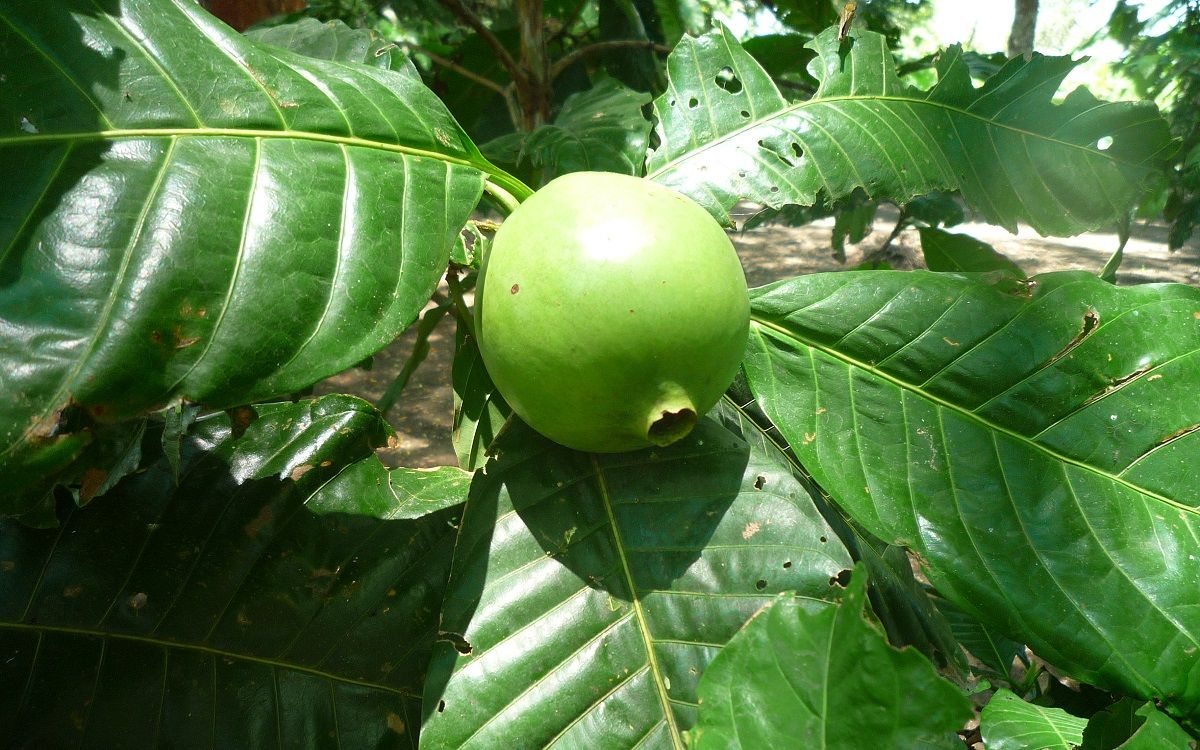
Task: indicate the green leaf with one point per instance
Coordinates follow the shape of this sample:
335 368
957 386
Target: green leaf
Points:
411 493
1009 723
948 251
213 220
784 56
225 612
725 133
807 675
334 40
1128 725
589 592
994 651
480 412
600 129
1034 448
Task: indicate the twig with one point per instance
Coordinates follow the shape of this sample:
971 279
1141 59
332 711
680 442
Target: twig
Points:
465 15
419 352
571 58
451 65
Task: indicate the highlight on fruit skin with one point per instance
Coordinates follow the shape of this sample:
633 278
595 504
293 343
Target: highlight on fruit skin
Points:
612 312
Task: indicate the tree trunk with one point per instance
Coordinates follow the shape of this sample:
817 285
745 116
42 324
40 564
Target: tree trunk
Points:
533 94
240 14
1024 28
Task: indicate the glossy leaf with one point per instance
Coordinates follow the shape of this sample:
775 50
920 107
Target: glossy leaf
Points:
726 133
479 410
191 216
589 592
1009 723
948 251
237 609
1126 725
600 129
1033 445
815 675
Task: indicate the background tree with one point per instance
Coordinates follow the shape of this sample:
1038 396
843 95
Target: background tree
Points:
1024 28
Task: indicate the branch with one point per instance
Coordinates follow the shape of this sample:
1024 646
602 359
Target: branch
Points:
568 60
465 15
451 65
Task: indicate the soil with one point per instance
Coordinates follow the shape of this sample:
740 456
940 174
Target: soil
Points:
422 415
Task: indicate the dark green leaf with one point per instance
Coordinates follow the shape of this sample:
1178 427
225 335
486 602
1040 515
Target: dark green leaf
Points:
948 251
1009 723
725 133
599 130
1130 725
224 612
1035 449
853 223
410 493
589 592
784 56
805 674
212 220
995 652
479 410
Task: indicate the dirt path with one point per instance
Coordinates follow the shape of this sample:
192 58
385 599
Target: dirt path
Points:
423 414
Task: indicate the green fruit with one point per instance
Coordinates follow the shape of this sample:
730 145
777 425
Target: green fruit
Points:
612 312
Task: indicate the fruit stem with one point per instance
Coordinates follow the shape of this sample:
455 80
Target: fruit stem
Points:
506 200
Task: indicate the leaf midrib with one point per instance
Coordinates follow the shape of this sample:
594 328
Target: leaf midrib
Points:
965 413
202 648
720 141
499 176
639 615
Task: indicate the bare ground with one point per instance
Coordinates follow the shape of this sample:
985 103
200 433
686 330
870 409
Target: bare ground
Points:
422 416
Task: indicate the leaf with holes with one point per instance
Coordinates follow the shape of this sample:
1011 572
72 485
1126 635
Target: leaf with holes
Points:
191 216
1009 723
726 133
1034 446
590 591
804 674
241 608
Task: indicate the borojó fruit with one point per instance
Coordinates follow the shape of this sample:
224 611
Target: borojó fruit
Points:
612 312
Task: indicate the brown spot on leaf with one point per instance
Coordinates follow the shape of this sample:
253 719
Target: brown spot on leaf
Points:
242 619
751 529
809 437
73 591
514 289
137 601
240 418
90 484
950 341
8 566
395 723
256 524
300 471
